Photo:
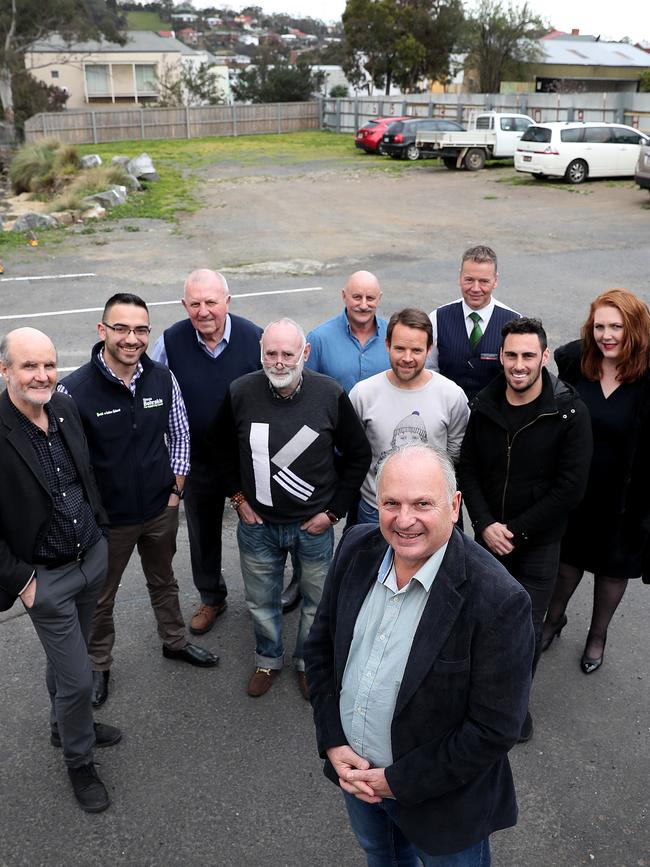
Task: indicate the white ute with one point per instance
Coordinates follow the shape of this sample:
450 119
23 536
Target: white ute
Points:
491 135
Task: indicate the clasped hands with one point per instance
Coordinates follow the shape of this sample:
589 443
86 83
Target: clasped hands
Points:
357 778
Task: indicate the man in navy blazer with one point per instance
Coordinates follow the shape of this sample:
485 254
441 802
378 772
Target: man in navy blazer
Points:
418 665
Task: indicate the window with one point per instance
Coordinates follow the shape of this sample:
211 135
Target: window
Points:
597 134
626 136
538 134
54 73
97 80
572 135
484 122
145 78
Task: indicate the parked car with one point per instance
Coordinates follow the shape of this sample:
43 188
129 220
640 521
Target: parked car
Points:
642 173
369 136
577 151
399 139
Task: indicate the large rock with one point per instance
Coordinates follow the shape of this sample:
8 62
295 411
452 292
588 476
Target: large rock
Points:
91 161
120 161
142 167
107 199
94 213
63 218
34 221
132 182
120 191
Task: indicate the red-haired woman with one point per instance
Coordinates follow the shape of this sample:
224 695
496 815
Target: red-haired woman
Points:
608 533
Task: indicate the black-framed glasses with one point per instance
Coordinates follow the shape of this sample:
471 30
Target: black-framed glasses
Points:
124 330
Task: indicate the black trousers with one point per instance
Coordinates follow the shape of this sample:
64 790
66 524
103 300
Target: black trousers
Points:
535 568
204 503
62 613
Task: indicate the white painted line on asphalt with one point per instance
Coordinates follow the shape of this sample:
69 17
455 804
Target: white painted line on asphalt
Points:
46 277
153 303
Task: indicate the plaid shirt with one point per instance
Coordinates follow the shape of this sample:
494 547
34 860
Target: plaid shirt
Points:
178 429
73 527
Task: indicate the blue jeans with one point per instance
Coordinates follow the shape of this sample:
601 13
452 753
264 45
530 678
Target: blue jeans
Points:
367 514
386 846
263 550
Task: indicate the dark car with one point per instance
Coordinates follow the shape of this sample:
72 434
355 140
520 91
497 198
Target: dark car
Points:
399 139
369 136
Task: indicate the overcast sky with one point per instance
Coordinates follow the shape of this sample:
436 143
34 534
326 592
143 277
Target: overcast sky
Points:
623 18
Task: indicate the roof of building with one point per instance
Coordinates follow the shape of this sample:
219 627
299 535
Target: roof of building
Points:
137 40
580 52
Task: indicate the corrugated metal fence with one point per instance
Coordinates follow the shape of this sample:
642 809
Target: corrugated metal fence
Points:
95 126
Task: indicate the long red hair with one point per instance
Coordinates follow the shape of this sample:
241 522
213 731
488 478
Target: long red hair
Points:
634 359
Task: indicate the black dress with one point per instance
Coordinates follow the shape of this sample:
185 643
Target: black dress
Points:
600 537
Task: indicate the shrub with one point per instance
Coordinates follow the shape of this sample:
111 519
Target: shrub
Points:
85 184
31 170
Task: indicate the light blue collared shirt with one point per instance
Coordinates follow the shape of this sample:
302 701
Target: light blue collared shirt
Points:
159 353
336 352
380 648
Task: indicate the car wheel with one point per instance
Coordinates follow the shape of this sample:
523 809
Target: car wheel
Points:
450 163
576 172
412 152
474 159
539 176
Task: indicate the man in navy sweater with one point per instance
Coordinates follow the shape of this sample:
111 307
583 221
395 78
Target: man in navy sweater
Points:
206 352
467 332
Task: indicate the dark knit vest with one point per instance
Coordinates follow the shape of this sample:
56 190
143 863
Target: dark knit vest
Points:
203 380
471 369
126 437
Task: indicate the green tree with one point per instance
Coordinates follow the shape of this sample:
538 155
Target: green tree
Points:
279 83
644 81
339 91
499 40
32 96
25 21
402 42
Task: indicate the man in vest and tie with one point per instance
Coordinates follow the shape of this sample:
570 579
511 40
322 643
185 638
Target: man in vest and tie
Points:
467 332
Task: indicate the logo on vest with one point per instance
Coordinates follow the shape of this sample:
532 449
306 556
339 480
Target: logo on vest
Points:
152 402
287 455
107 412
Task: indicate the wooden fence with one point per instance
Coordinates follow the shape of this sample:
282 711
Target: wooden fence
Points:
107 125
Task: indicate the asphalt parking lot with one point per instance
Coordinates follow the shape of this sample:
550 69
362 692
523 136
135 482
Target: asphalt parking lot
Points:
206 775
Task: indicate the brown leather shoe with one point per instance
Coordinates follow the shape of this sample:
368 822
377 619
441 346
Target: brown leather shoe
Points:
261 681
302 685
203 618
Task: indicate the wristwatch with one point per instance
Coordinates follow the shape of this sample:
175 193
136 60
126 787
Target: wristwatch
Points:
333 518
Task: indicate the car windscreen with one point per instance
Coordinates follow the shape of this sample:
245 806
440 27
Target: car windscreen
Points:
395 127
538 134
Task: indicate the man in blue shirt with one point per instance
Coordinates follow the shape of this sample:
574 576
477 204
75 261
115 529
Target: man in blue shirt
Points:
352 345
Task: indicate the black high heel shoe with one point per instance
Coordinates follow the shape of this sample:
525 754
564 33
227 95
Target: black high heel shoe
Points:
588 665
557 629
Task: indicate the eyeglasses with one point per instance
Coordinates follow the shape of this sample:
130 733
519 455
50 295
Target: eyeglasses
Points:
124 330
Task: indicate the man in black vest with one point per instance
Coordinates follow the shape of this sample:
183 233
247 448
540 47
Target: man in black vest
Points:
206 352
136 425
467 332
53 552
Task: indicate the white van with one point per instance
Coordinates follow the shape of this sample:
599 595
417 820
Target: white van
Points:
577 151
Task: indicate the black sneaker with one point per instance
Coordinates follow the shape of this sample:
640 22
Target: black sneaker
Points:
105 736
89 790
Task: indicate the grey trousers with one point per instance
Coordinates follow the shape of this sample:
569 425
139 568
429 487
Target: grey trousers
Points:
62 612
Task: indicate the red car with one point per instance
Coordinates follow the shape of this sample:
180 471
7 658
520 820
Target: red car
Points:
369 136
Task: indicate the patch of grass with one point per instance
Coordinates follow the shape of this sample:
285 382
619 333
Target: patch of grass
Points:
145 21
549 184
487 198
32 168
131 228
85 184
17 240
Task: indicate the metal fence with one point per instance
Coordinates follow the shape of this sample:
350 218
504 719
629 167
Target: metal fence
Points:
347 115
107 125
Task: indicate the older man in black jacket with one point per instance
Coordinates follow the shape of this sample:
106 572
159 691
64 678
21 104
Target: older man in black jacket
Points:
418 665
524 465
52 551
